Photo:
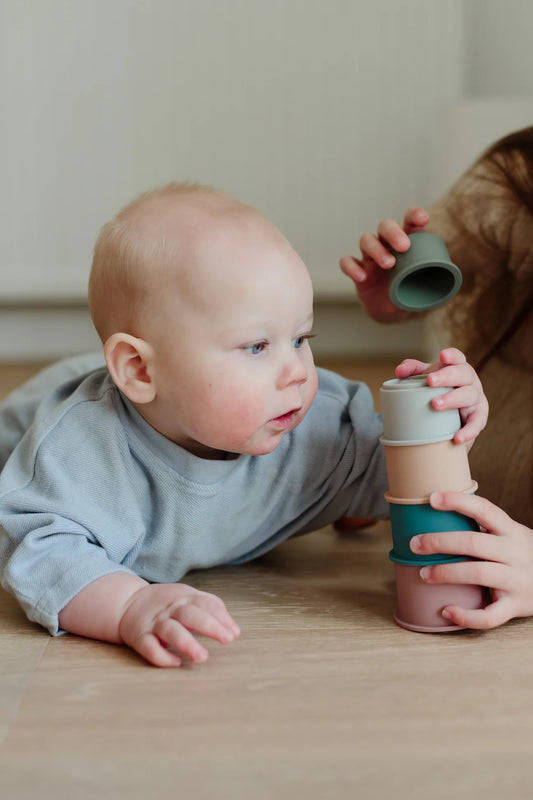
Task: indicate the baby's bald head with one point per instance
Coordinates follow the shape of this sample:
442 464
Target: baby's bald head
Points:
154 243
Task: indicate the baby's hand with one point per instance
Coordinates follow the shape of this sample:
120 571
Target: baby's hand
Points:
159 618
505 550
370 272
467 394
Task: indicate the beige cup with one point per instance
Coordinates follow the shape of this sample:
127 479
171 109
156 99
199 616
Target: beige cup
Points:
414 471
419 605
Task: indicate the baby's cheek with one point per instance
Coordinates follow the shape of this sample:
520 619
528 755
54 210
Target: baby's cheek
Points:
245 416
236 417
311 387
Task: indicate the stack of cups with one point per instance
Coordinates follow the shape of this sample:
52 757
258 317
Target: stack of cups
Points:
422 458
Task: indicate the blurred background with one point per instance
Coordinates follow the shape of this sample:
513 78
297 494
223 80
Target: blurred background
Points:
325 114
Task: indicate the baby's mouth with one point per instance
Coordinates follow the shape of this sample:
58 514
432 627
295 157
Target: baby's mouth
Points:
284 420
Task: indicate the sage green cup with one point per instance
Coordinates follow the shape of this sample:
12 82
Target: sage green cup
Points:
408 416
424 277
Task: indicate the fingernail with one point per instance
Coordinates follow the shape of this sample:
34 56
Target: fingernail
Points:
446 614
435 498
415 544
200 656
425 572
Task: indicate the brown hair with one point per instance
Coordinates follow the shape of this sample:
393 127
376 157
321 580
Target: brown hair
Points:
486 220
513 157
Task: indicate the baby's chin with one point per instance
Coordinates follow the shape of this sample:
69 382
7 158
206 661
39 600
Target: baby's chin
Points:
268 445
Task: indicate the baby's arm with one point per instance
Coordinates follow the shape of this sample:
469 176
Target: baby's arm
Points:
505 552
467 395
370 272
156 620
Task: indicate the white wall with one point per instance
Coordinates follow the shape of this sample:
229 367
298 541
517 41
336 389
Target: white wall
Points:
317 111
498 87
499 59
326 114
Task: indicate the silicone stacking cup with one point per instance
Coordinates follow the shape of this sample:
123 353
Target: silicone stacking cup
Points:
408 416
419 604
424 277
420 469
411 516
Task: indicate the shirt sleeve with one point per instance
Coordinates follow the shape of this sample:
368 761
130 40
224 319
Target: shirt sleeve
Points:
67 517
18 409
47 560
353 455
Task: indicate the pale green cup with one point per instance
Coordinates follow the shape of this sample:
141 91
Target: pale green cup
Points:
424 277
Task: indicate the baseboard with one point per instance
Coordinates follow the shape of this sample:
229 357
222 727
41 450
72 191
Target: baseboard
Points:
343 331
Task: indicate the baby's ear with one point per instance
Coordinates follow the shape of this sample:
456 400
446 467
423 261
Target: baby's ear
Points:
129 361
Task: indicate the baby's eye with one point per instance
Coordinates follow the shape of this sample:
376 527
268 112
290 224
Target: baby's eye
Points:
256 348
299 341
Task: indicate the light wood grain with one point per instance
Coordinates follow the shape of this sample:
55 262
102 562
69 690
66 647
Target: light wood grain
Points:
322 696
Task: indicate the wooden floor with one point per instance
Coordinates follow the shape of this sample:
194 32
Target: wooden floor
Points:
323 696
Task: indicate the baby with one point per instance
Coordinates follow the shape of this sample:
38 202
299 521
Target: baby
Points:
206 438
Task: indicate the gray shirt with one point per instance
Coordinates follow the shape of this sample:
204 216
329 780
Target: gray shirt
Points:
91 488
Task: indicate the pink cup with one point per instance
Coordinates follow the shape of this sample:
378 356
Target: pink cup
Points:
419 604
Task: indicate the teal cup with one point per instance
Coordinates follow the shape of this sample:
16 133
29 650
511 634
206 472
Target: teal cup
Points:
408 520
424 277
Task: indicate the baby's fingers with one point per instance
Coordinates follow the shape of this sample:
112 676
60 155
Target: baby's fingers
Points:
375 251
390 234
195 618
169 640
411 366
216 606
353 268
472 406
481 619
473 573
474 544
153 651
415 219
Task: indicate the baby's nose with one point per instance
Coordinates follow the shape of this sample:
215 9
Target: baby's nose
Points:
293 370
